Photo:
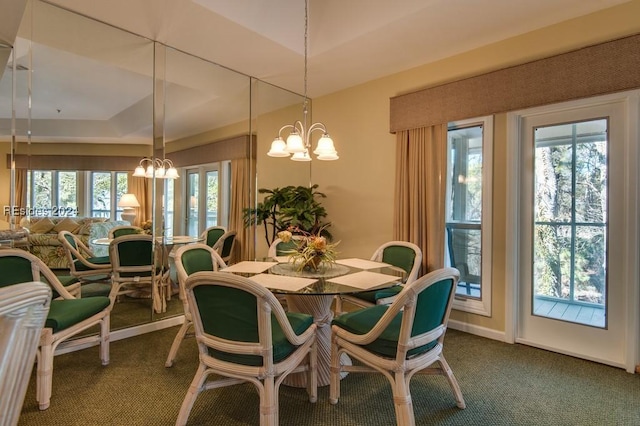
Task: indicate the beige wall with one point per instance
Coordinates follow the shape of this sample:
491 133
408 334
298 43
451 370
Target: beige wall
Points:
360 185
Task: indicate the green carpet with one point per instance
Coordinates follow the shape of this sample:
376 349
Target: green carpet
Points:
502 385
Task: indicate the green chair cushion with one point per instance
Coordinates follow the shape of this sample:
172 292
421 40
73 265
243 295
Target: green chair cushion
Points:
196 260
231 314
399 256
66 313
213 236
15 270
363 320
65 280
372 296
98 260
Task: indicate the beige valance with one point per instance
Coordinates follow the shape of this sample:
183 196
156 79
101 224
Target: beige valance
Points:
603 68
228 149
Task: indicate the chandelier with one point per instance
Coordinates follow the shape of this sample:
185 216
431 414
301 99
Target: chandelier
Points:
162 169
298 142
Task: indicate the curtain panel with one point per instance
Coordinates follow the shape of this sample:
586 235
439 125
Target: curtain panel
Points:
242 170
420 188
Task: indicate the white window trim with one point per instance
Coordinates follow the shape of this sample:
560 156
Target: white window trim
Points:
483 306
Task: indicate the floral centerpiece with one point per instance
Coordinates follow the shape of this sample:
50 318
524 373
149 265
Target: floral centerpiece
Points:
147 227
312 250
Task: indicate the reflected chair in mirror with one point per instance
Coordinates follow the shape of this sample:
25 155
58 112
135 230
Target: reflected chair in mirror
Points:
212 234
83 264
67 317
23 311
401 254
190 259
225 246
137 269
244 335
280 248
120 230
463 243
399 340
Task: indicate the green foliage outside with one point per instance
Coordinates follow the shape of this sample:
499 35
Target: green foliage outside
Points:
570 209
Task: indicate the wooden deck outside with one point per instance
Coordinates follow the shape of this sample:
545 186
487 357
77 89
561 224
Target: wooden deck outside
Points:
559 309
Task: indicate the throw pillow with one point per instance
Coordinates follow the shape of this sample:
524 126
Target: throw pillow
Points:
42 226
66 224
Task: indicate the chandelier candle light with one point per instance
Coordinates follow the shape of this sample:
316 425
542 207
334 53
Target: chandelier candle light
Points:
162 169
299 140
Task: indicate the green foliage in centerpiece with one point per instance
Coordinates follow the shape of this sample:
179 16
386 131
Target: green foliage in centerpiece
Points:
312 251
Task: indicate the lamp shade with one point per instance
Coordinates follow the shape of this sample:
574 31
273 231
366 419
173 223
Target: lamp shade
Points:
128 200
278 148
295 143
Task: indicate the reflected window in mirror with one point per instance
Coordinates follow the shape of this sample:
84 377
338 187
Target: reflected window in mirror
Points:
52 193
207 189
106 190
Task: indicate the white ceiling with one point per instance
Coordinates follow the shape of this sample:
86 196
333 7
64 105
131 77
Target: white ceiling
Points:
85 92
350 41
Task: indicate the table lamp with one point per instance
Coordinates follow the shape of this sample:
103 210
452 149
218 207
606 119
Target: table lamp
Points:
128 202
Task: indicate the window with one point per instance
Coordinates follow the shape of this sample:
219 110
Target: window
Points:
52 193
206 195
105 189
468 212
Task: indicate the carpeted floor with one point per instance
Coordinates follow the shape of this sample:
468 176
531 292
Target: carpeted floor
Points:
502 385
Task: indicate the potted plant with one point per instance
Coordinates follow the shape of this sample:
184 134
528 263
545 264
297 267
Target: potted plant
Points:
289 208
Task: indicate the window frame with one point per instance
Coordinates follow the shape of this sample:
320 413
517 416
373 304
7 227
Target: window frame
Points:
474 305
115 211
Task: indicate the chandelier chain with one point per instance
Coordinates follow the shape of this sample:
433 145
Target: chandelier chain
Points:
306 35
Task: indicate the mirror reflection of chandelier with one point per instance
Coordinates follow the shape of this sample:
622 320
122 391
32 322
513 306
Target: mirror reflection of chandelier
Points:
162 169
298 142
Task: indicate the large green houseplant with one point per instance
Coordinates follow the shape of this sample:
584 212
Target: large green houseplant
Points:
288 208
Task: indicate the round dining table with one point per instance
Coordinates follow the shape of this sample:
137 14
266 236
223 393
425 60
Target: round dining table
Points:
313 291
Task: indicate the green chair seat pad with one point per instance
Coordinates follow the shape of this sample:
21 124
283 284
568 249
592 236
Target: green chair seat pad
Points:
363 320
372 296
65 280
66 313
98 260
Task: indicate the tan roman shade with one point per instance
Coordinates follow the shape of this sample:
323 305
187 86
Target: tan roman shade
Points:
595 70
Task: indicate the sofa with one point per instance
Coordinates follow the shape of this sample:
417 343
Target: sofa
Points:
43 235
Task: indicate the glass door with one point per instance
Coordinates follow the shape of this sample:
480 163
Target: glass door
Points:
572 255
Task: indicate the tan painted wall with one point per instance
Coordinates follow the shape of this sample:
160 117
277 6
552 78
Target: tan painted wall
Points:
360 184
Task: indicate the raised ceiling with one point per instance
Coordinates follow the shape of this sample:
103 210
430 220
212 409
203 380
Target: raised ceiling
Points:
350 42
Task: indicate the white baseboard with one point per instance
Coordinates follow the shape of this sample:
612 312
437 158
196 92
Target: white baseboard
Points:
89 341
477 330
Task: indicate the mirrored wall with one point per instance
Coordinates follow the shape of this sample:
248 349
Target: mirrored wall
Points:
79 97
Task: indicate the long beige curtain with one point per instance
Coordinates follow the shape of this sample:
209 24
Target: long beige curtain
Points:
420 188
141 188
241 196
21 190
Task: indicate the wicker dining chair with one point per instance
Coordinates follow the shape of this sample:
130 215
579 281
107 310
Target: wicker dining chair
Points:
225 246
188 260
136 268
67 317
244 335
401 254
83 264
120 230
23 311
280 248
212 234
398 340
